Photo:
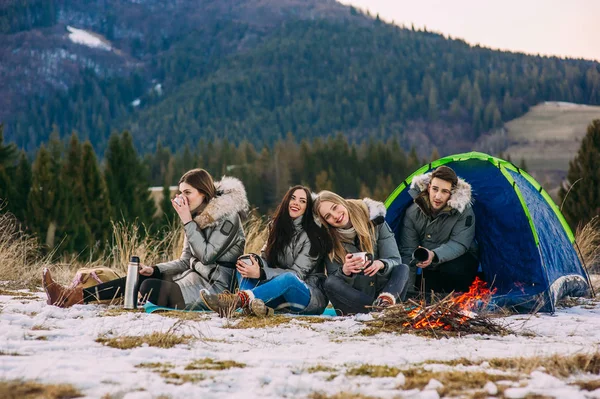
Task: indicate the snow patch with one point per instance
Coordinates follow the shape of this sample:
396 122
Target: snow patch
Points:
86 38
563 104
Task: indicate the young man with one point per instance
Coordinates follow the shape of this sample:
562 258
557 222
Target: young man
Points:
442 222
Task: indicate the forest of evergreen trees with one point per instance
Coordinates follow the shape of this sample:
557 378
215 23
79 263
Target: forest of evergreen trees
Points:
311 79
68 198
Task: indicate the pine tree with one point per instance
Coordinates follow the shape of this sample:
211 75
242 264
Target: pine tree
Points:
168 213
581 196
74 225
127 181
44 196
8 156
22 186
96 200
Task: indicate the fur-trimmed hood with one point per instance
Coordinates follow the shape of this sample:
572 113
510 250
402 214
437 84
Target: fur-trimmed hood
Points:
231 199
376 208
461 194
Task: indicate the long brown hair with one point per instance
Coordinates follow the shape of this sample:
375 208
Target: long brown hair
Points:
281 229
358 214
202 181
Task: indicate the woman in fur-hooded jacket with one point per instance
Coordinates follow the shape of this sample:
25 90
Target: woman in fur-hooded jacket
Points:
214 238
288 275
357 283
442 221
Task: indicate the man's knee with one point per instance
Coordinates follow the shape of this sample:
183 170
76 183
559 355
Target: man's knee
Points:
401 271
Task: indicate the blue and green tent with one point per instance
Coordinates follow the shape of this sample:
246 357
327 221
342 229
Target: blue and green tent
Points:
527 249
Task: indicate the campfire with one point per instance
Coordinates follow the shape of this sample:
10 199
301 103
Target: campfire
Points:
456 314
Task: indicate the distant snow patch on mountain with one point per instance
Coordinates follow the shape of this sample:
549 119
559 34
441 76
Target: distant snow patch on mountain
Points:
86 38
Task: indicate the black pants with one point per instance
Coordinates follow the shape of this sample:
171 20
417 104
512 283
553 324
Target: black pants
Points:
348 300
455 275
152 288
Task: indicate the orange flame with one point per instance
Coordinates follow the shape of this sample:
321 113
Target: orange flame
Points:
431 317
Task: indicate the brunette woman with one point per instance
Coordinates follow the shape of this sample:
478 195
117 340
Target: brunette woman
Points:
289 274
214 238
358 282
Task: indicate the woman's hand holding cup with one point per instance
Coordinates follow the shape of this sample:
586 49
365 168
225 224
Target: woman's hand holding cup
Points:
248 267
353 264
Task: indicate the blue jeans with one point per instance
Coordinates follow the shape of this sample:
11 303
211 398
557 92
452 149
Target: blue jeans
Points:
284 292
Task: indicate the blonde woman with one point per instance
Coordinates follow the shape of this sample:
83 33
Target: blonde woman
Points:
364 267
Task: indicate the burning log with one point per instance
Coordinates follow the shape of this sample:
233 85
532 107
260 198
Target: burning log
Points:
453 315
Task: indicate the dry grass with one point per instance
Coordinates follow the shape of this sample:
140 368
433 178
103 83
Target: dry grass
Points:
210 364
591 385
187 316
556 365
587 238
152 366
319 368
156 339
118 311
255 228
374 371
19 254
272 321
19 389
340 395
454 382
16 294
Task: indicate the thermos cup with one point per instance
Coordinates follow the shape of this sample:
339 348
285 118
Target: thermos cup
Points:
131 285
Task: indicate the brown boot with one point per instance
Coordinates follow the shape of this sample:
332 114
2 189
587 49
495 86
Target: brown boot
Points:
54 291
59 295
224 304
73 296
258 308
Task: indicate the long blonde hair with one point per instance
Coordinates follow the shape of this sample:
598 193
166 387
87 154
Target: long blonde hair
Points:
358 214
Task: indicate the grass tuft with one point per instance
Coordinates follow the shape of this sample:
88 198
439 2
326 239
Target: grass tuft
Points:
156 339
556 365
273 321
591 385
320 368
179 379
19 389
587 238
374 371
340 395
155 365
210 364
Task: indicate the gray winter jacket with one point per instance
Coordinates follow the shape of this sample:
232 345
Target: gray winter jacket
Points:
384 247
213 242
297 260
449 234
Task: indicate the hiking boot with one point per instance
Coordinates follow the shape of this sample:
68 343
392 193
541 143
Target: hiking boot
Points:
384 300
258 308
59 295
224 304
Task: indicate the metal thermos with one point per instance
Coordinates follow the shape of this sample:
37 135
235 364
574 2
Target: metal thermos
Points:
131 285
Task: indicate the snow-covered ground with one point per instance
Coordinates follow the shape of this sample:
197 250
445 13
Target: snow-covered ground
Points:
53 345
86 38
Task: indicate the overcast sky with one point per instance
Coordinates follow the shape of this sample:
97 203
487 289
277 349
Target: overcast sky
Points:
565 28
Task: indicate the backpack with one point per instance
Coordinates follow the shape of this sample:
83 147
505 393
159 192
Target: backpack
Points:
89 277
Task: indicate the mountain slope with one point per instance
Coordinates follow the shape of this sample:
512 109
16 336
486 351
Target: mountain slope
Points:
258 69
